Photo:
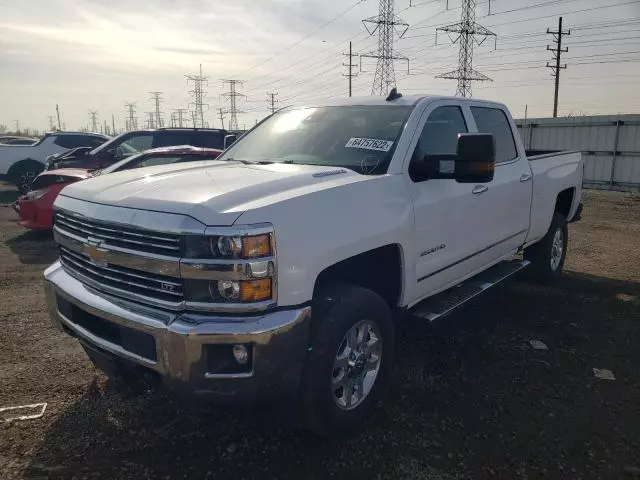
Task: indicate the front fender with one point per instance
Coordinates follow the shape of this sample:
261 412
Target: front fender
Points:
319 229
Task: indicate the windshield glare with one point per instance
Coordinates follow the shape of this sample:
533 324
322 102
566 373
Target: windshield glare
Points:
361 138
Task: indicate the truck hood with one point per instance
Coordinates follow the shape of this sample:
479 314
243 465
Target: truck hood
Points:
213 192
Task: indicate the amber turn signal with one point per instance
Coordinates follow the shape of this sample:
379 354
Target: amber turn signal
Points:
255 290
256 246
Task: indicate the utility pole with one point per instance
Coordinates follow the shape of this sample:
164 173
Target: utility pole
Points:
157 98
51 126
106 128
150 120
198 94
173 119
221 113
271 100
113 125
132 123
232 96
179 112
350 66
468 32
58 114
93 114
557 52
18 127
386 25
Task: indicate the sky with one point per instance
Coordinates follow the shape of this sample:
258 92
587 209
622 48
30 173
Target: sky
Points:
98 54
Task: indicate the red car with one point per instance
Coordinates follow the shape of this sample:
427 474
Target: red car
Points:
36 207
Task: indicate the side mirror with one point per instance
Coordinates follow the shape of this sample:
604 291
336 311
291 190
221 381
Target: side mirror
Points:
475 159
228 140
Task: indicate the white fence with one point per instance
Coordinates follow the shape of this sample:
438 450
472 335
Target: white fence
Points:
610 146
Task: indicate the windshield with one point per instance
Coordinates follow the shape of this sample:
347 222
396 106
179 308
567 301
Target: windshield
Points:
131 145
358 137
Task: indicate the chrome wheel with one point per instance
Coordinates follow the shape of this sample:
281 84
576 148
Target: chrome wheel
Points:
557 249
356 365
26 179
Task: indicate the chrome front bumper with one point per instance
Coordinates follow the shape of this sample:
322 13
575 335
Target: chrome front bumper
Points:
279 340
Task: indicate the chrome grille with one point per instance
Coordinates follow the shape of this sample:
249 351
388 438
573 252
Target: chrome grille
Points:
155 289
119 236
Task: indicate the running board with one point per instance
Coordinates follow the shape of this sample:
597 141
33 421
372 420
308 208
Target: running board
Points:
443 303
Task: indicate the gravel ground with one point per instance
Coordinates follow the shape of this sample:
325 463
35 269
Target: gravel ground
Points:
470 397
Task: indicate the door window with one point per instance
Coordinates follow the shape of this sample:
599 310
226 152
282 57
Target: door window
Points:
74 141
171 139
134 144
439 135
494 121
207 140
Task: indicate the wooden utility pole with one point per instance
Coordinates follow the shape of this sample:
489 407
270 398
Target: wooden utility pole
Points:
557 52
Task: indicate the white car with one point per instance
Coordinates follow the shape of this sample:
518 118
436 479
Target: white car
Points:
20 164
273 272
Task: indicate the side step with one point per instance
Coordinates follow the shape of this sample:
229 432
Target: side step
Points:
443 303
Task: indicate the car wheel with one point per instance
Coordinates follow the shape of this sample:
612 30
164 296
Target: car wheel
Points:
547 257
26 174
350 359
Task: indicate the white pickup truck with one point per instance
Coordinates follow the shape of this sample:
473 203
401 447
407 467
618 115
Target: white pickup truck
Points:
275 272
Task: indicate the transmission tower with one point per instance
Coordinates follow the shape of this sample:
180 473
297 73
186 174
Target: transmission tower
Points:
468 32
271 100
180 116
51 125
198 95
93 115
150 121
221 113
350 66
386 25
557 51
232 96
132 122
157 98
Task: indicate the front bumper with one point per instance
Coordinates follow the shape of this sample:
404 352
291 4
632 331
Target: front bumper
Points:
180 343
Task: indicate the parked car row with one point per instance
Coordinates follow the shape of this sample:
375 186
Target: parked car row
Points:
36 206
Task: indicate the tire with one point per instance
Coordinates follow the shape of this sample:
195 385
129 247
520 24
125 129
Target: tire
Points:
547 260
327 407
24 174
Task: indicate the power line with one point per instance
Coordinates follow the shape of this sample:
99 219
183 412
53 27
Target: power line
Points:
386 23
468 31
157 98
294 44
232 96
198 94
557 52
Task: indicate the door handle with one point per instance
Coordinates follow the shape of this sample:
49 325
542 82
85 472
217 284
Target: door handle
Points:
479 189
525 177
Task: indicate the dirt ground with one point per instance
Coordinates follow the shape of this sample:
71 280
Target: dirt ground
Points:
470 397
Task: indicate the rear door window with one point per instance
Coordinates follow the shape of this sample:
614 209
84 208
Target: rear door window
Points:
75 141
494 121
207 140
170 139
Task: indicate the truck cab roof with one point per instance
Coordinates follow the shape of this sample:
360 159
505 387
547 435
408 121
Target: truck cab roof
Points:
404 100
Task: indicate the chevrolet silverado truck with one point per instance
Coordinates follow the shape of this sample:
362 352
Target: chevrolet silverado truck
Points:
278 270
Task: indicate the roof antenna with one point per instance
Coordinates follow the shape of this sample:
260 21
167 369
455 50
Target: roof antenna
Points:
393 95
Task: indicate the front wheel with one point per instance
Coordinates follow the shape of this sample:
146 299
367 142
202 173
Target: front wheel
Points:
350 359
548 255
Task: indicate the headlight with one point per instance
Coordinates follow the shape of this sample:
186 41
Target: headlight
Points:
35 194
228 247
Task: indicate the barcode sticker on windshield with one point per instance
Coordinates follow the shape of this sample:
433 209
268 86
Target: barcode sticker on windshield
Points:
370 144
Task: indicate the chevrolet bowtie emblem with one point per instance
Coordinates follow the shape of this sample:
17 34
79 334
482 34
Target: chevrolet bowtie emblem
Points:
95 254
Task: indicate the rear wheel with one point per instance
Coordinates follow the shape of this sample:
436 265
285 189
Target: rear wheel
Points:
350 360
25 173
547 257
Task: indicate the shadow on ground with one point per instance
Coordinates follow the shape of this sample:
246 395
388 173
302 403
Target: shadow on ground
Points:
34 247
8 196
470 399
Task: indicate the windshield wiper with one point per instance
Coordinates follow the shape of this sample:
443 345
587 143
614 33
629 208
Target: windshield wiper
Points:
246 162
